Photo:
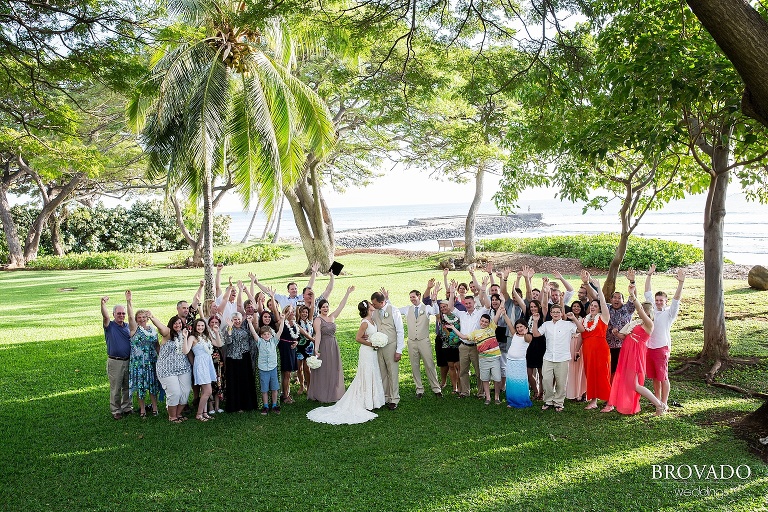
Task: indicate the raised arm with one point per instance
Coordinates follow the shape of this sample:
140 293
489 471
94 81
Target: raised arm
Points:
129 312
198 295
329 289
188 340
648 277
104 311
489 269
428 290
566 284
516 296
343 302
216 336
605 312
528 275
445 278
217 287
315 267
483 295
544 296
680 281
164 331
647 321
591 293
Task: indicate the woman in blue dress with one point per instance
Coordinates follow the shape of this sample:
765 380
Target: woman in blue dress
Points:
142 378
205 372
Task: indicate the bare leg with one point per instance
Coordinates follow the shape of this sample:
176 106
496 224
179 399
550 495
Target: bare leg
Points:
205 392
664 391
532 382
153 398
453 372
286 385
486 390
142 405
443 375
644 391
496 389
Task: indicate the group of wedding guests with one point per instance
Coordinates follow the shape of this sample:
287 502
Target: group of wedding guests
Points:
533 346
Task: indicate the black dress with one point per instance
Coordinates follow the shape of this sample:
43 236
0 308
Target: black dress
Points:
287 354
240 380
534 356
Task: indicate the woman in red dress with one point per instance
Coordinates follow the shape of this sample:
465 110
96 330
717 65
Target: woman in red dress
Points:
594 348
630 370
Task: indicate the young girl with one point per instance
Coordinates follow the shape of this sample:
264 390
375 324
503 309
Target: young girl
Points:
205 372
289 339
305 347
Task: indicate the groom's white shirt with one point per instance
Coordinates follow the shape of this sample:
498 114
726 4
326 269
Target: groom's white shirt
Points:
397 319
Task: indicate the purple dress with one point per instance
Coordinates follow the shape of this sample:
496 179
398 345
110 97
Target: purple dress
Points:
327 383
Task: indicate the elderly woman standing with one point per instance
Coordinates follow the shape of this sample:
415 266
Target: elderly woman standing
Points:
142 379
238 337
173 368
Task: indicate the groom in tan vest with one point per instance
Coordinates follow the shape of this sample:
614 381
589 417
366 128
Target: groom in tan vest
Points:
388 320
417 317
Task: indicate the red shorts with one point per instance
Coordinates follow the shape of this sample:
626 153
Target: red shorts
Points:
657 363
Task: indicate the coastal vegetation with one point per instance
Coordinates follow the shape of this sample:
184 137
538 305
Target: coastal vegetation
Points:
597 251
64 451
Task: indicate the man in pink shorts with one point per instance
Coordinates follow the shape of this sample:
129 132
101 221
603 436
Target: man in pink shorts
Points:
660 342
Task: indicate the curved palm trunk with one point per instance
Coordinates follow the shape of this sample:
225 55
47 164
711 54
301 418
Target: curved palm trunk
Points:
313 219
469 225
250 224
276 236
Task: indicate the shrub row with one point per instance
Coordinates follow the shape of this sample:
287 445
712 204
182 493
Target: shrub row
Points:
251 254
597 251
87 260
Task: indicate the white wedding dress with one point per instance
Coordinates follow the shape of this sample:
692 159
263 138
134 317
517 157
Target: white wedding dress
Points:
365 393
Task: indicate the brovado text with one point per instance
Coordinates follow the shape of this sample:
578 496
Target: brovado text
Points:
700 472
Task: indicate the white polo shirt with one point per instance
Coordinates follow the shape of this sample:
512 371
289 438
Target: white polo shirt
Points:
469 322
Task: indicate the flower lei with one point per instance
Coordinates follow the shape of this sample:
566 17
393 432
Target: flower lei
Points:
207 345
148 331
179 344
293 330
588 319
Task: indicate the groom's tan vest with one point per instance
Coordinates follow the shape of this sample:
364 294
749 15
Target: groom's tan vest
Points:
387 325
418 328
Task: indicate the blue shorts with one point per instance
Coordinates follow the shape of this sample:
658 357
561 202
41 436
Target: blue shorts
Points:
269 380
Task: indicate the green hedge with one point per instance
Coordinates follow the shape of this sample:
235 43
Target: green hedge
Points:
87 260
251 254
597 251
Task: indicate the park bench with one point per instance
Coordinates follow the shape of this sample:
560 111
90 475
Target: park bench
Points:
449 244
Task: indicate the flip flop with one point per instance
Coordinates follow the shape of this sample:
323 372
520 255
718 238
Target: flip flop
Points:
545 407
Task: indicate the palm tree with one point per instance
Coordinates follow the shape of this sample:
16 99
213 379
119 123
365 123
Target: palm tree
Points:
221 99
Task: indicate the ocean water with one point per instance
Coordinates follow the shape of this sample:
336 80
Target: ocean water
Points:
746 223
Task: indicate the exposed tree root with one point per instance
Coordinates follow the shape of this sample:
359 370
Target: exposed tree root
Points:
709 377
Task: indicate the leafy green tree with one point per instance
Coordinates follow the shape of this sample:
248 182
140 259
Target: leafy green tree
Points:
221 98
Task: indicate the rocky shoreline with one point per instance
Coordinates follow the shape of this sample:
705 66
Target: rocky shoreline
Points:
441 228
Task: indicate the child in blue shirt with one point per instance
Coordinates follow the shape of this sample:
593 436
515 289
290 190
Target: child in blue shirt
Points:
267 343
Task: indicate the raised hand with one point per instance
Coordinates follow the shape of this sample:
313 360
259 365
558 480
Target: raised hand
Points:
202 283
437 287
431 282
104 300
219 266
632 289
315 267
557 274
383 290
489 267
230 281
445 272
584 276
680 275
535 317
485 281
128 295
631 274
271 291
252 277
570 316
240 285
545 283
652 269
528 271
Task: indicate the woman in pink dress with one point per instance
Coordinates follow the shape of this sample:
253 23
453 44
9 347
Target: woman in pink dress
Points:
628 381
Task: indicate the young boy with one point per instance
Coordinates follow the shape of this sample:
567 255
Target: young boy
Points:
267 344
489 354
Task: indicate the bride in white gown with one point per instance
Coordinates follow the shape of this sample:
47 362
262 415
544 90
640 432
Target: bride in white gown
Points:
366 391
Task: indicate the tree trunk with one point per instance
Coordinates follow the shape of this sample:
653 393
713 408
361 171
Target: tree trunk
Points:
194 243
313 218
715 339
469 226
279 219
609 287
250 224
54 225
742 34
15 254
32 243
207 232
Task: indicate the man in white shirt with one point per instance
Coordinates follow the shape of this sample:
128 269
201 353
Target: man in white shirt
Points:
558 333
417 317
469 321
660 342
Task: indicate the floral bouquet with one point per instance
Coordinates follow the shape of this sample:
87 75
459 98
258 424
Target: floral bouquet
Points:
378 340
314 363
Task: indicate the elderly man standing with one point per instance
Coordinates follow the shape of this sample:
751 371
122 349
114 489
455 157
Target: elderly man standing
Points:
118 338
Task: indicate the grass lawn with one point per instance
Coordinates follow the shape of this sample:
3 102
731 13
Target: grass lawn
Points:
63 451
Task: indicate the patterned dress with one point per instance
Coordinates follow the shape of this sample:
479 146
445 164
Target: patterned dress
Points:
142 378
